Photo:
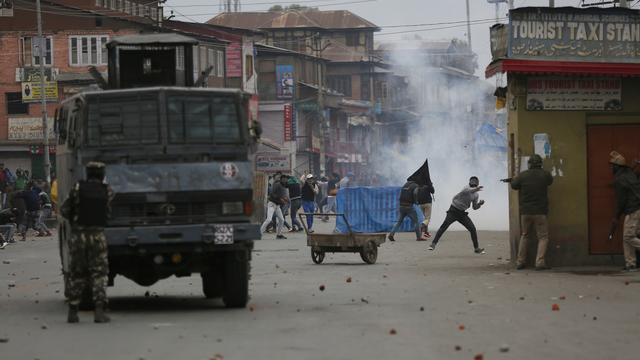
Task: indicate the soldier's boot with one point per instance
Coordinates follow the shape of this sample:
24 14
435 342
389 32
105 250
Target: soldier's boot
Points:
72 316
99 315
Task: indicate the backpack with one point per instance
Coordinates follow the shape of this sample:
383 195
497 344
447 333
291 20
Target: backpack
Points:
407 193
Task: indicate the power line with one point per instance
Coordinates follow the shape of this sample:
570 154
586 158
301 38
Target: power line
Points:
257 3
435 28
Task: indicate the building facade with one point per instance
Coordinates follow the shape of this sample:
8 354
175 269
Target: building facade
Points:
572 98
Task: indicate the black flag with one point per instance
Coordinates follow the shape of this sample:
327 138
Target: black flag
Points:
421 176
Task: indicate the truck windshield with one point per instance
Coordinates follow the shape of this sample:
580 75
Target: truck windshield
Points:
123 120
202 119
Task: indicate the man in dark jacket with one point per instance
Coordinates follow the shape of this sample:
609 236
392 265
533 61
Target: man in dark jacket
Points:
534 207
627 188
277 198
407 200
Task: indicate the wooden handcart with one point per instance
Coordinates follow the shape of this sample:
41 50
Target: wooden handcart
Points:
366 244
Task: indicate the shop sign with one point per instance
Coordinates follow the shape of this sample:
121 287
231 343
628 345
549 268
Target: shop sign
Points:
284 81
288 122
28 129
273 162
32 91
611 35
234 60
565 93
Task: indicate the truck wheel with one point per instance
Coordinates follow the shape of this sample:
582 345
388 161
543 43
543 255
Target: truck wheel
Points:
236 279
212 284
369 252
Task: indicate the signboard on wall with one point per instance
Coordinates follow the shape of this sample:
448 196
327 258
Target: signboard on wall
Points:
288 122
273 162
284 81
32 91
28 129
611 35
562 93
234 60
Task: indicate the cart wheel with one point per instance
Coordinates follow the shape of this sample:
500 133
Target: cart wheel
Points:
369 252
317 255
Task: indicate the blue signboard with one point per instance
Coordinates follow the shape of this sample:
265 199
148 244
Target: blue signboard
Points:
284 81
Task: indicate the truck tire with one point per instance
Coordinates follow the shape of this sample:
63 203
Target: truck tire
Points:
236 279
212 284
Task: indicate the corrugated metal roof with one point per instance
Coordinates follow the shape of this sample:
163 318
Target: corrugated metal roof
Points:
152 39
334 19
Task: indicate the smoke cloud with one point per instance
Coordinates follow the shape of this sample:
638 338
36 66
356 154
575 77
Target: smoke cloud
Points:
451 109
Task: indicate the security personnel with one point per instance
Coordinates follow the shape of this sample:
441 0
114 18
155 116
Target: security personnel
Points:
534 207
627 189
86 208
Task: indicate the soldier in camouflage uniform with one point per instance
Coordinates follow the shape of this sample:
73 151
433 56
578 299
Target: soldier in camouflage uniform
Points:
86 208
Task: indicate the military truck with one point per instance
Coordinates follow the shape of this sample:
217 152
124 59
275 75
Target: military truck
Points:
178 161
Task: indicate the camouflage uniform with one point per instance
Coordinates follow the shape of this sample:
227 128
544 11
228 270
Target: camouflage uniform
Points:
87 208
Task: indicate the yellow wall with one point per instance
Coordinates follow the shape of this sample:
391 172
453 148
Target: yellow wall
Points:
568 211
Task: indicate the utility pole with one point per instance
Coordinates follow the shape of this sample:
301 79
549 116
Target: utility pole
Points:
468 26
319 48
42 44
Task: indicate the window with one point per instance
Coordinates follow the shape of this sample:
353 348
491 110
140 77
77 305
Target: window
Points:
353 38
15 106
211 61
248 66
123 121
340 83
127 6
180 58
267 79
202 120
220 61
29 53
88 50
365 87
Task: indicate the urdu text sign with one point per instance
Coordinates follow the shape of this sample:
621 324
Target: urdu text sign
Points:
563 93
32 91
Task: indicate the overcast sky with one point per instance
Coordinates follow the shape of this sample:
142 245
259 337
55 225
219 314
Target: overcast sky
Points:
392 12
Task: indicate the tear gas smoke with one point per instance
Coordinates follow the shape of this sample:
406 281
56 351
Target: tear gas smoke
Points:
451 109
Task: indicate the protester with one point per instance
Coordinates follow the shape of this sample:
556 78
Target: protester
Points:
424 197
534 207
332 192
8 225
457 212
44 213
277 197
407 200
309 191
22 178
344 182
295 200
627 189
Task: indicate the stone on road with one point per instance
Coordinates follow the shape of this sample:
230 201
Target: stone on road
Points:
413 305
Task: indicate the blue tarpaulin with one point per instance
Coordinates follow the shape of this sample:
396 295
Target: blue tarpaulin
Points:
371 209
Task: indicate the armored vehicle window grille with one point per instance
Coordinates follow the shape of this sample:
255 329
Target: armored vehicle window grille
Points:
123 121
198 120
162 213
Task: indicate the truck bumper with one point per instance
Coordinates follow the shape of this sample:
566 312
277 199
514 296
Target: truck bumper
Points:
136 236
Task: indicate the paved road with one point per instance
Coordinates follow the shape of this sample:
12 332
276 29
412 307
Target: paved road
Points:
472 304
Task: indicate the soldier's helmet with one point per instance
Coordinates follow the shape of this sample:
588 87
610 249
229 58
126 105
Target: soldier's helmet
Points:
95 170
535 161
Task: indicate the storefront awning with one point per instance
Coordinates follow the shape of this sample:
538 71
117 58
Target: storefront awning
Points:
561 68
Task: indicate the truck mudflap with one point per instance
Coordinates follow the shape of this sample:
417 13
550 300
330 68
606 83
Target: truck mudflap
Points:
210 234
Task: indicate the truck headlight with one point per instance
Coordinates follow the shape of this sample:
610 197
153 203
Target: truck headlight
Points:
232 208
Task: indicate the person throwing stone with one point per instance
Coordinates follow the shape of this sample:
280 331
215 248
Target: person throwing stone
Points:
457 212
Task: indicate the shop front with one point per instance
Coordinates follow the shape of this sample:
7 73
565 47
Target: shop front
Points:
573 77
